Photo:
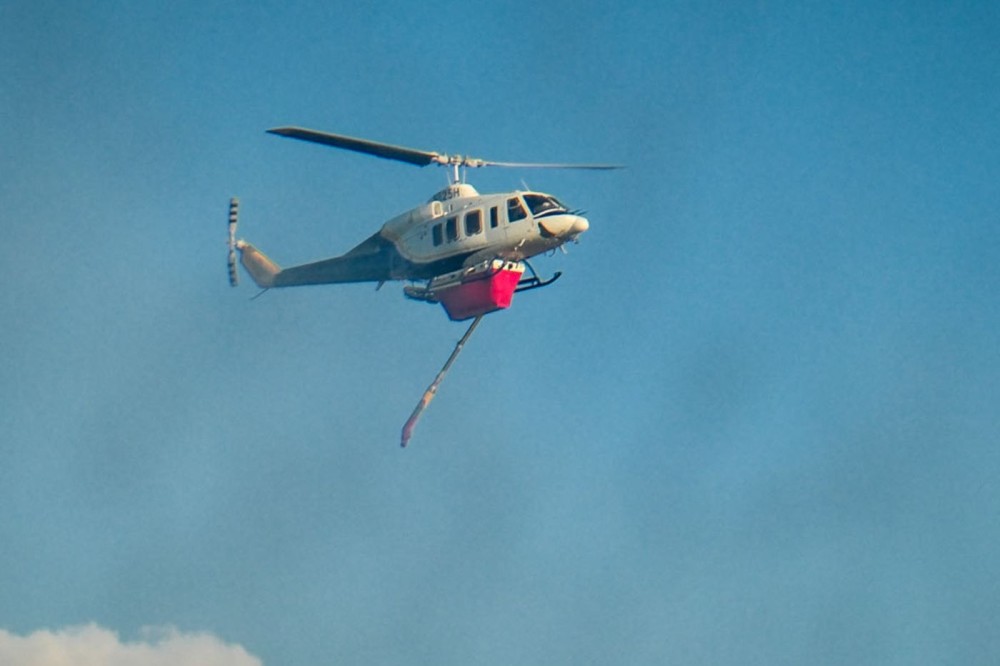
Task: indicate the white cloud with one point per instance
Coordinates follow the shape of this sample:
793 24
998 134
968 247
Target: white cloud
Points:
91 645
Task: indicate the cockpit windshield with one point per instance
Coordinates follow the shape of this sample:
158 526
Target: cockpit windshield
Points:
543 204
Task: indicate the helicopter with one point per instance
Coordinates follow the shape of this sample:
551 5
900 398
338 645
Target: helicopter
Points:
465 250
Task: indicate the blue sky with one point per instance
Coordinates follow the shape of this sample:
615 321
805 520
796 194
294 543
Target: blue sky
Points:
754 422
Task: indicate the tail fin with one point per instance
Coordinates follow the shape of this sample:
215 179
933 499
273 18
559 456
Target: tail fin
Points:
258 265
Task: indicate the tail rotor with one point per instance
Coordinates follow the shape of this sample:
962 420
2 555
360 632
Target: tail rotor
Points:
234 208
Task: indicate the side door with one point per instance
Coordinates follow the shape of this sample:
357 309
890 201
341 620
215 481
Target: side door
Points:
515 221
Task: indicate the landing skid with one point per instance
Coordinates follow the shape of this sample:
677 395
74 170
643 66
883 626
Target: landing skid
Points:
535 282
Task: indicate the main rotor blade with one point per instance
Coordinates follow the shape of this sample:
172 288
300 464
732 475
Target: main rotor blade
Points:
385 150
549 165
417 157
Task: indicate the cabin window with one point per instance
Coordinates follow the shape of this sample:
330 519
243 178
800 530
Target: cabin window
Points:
473 222
436 234
515 210
451 229
494 217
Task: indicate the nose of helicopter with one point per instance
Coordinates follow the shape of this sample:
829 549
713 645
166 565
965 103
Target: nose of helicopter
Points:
565 227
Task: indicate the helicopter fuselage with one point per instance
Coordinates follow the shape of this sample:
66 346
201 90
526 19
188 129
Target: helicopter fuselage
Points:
460 227
457 228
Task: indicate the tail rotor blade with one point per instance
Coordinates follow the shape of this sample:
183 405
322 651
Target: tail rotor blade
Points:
234 209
